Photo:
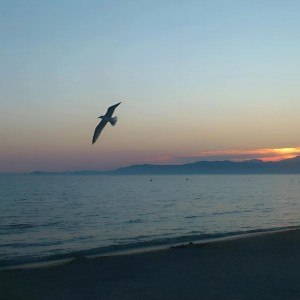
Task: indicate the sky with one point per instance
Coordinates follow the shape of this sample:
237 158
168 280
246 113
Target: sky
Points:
198 80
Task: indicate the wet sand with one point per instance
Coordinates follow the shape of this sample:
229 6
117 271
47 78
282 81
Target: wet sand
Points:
258 267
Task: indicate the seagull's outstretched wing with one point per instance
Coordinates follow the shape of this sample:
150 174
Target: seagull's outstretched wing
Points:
111 110
98 130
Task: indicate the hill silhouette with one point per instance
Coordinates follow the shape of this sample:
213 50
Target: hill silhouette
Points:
286 166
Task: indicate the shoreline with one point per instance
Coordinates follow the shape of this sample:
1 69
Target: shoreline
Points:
261 266
145 247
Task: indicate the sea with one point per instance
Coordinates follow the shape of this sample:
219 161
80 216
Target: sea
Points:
46 218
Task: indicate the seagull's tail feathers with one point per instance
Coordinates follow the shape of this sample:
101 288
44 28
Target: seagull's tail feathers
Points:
113 121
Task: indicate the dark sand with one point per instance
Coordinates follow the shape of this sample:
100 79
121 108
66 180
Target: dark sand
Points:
259 267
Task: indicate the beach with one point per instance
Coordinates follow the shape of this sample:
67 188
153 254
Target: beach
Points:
264 266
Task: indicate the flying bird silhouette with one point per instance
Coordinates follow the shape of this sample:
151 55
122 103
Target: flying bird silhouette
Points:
104 119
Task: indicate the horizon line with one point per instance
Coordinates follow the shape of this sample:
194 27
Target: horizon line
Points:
141 164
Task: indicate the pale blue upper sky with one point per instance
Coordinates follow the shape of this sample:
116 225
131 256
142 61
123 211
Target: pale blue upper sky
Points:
192 76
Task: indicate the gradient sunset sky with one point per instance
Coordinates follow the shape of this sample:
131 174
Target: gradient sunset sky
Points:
198 80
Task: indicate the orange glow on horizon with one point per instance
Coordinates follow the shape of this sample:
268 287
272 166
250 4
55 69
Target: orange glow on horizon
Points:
281 153
263 154
268 154
276 158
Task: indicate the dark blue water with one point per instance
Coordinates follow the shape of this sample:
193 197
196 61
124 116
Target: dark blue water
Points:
51 217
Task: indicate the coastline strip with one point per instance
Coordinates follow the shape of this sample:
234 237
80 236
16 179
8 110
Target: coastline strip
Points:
261 267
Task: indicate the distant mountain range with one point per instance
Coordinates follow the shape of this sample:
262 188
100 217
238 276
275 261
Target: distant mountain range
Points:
286 166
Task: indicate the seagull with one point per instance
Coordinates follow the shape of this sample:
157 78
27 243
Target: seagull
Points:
104 119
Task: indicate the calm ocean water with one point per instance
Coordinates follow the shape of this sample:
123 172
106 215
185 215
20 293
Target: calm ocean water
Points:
52 217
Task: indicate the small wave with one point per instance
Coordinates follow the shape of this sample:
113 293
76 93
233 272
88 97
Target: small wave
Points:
226 213
22 226
193 217
30 245
18 226
134 221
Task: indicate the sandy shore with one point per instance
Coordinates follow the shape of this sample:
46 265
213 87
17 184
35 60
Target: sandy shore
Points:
259 267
